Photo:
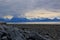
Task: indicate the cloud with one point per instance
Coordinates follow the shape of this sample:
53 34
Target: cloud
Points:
8 17
41 13
20 7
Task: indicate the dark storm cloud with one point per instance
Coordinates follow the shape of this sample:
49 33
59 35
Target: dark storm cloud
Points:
19 7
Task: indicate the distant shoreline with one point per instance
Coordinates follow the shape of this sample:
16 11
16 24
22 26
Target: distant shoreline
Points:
32 22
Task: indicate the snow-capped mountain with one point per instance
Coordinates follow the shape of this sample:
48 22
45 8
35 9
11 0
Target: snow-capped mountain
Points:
16 19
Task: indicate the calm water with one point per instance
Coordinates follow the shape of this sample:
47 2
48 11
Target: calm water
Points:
33 22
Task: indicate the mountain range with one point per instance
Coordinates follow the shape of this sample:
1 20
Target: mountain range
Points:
15 19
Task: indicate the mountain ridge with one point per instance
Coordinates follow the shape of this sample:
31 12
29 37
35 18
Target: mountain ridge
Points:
16 19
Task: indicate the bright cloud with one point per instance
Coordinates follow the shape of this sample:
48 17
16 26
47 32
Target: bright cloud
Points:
19 7
42 14
8 17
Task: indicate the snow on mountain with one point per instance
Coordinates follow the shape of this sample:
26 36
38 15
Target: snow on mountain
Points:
9 17
39 19
32 19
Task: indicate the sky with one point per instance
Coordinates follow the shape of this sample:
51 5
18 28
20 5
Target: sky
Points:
42 14
24 8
